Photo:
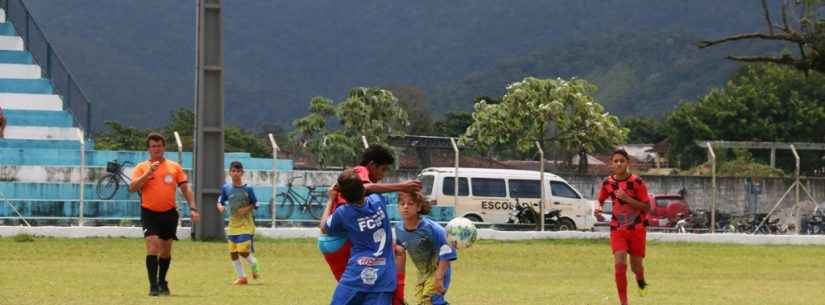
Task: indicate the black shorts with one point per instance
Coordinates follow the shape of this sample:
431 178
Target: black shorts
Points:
164 225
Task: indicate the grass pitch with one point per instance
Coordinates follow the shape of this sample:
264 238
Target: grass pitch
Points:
111 271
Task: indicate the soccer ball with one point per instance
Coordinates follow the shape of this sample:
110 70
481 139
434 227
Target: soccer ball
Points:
461 233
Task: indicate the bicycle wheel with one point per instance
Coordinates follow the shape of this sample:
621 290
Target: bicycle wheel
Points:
316 208
107 186
284 207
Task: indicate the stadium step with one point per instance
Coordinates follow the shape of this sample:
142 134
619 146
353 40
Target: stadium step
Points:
26 101
37 86
16 57
7 29
22 144
19 71
38 118
41 133
12 43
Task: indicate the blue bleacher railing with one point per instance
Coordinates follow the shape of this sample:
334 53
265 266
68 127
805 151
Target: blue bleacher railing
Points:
54 69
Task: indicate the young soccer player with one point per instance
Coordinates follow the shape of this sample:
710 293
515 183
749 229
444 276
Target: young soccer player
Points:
241 230
426 243
375 161
369 277
627 226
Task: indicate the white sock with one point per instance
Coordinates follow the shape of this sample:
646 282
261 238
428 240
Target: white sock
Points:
238 267
251 259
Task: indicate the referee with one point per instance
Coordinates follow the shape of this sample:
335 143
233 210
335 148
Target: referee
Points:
157 179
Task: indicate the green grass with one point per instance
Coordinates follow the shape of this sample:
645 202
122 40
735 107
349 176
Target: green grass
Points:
111 271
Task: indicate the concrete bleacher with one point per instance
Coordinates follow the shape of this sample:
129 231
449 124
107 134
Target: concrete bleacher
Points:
40 170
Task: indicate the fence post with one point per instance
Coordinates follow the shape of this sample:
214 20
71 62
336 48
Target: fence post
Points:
180 161
712 156
455 190
543 192
274 178
82 174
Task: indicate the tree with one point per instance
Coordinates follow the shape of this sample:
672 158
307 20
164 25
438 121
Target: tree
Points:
805 29
454 124
121 137
414 102
533 108
370 112
644 130
762 102
182 120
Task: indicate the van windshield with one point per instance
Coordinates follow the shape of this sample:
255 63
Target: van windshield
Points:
426 184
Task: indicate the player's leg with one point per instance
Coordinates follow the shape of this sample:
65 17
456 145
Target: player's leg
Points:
377 298
346 296
236 263
400 276
152 252
248 254
637 255
150 235
167 235
164 261
619 245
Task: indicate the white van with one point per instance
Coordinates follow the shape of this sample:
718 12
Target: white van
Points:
488 195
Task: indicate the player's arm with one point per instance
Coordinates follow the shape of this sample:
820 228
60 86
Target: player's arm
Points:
253 203
446 254
222 201
443 266
400 258
408 186
642 204
139 177
332 193
603 194
244 210
333 224
190 199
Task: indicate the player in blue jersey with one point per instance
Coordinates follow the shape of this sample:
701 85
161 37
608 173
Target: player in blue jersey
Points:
369 277
426 244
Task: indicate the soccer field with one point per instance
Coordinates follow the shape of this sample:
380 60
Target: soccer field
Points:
111 271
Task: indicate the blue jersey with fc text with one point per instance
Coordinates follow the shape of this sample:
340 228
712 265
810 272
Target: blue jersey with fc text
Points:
371 265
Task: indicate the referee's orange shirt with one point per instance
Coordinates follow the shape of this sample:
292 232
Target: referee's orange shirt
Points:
158 193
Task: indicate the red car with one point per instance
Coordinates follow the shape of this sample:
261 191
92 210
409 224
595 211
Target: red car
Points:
667 209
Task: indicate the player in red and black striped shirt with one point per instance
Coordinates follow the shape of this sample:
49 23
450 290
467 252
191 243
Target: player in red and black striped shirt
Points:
631 204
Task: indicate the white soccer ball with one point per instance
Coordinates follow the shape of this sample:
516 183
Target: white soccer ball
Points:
461 232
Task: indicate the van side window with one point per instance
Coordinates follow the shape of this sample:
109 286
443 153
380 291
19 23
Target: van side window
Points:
448 186
524 188
426 184
486 187
561 189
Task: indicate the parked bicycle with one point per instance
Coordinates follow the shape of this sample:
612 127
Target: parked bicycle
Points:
108 185
312 203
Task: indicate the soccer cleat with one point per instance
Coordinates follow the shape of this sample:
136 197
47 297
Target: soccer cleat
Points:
240 281
154 291
642 289
164 288
256 270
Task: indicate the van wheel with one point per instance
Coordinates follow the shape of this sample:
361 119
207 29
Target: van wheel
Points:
566 224
473 218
